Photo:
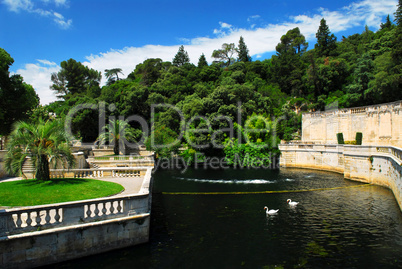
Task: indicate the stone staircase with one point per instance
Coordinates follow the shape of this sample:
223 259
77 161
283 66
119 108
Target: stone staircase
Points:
28 166
95 166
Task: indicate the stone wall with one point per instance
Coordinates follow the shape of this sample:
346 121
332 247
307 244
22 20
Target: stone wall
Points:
380 165
57 245
40 235
380 125
2 170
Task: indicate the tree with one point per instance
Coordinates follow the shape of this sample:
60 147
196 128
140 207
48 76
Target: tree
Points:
287 66
111 73
387 24
326 42
243 51
116 133
292 43
181 57
75 78
397 44
363 74
16 97
225 55
149 71
45 142
202 61
163 141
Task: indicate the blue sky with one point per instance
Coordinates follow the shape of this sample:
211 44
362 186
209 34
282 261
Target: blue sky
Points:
39 34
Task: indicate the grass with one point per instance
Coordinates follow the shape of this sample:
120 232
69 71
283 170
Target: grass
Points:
34 192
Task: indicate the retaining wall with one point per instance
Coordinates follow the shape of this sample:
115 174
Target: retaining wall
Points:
380 165
380 124
41 235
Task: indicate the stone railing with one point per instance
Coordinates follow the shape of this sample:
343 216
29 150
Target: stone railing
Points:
92 173
357 110
44 217
393 151
365 150
120 158
121 161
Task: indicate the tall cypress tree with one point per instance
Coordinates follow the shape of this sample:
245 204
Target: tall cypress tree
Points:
202 61
387 24
181 57
326 42
397 46
243 51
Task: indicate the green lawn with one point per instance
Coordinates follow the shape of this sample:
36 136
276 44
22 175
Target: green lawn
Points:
33 192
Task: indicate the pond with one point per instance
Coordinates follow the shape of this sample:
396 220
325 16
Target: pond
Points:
216 219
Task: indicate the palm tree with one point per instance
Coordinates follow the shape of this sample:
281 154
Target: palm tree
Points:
115 133
110 73
45 142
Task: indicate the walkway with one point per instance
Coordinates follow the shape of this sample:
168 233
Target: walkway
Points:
132 185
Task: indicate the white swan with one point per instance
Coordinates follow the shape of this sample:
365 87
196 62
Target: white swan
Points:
270 212
292 203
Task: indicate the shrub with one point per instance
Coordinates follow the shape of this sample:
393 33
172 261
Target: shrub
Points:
339 137
359 138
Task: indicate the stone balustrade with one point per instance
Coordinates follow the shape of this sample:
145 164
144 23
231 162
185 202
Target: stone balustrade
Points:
389 151
43 217
92 173
120 161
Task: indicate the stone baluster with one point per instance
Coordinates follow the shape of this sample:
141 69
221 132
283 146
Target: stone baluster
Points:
104 209
119 207
47 217
57 216
111 209
88 211
96 210
18 222
38 218
29 219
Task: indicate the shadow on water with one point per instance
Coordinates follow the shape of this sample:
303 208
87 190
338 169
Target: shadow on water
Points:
342 228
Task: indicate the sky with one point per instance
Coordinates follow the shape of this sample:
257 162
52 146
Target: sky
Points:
105 34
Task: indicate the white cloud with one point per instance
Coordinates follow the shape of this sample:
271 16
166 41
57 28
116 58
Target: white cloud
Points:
259 40
38 75
46 62
59 19
56 2
17 5
252 18
225 28
29 6
225 25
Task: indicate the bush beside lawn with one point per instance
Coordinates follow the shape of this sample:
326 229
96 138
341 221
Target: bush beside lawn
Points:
34 192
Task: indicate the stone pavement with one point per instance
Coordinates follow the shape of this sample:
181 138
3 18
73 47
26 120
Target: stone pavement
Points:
132 185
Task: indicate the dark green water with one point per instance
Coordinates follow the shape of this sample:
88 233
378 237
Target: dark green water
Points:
343 228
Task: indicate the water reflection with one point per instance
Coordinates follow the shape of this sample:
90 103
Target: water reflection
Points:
343 228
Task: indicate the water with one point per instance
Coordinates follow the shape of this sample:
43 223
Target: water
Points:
342 228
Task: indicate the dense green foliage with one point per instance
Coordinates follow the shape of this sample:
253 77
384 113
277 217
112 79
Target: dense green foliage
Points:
34 192
202 102
16 97
359 138
118 133
339 137
243 51
326 42
181 58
